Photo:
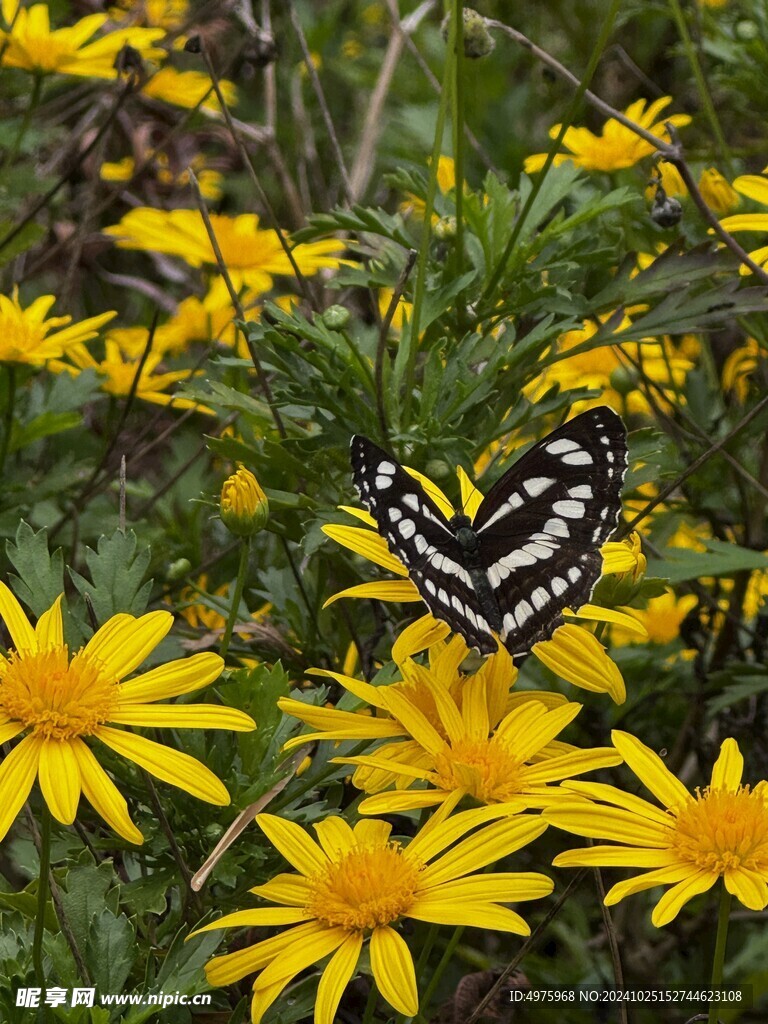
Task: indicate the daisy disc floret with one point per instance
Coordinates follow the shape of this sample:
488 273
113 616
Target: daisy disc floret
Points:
355 885
59 702
720 832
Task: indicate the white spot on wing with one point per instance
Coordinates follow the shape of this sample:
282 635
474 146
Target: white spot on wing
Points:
582 491
557 528
383 482
559 586
539 597
569 509
579 458
387 467
395 514
430 587
536 485
517 559
411 500
523 612
574 575
407 528
559 447
514 501
537 550
421 544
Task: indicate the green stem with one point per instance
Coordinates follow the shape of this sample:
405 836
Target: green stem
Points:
8 415
13 152
42 895
594 59
458 136
370 1006
719 958
434 981
701 84
242 571
410 341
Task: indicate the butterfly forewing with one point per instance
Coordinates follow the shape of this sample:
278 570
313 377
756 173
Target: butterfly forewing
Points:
538 532
419 535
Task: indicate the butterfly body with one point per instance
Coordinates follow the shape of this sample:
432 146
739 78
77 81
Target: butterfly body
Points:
532 547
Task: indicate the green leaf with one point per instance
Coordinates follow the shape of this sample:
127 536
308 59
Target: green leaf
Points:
743 687
44 426
110 950
117 570
41 575
181 971
720 559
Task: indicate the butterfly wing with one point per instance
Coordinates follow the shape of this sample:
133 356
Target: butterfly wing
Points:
542 524
418 533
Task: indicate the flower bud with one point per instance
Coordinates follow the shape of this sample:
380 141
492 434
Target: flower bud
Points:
335 318
478 41
178 570
244 506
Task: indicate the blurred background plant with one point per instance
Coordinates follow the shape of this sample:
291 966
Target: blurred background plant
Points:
261 228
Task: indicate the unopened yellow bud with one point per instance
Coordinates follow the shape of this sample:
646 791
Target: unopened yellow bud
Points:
244 505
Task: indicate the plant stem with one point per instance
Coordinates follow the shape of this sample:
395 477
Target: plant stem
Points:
42 895
242 570
410 341
719 958
370 1006
702 86
457 117
445 959
8 416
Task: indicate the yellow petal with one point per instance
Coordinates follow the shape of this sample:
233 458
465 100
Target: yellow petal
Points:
124 641
223 970
103 795
183 716
366 543
754 186
673 901
615 857
747 886
335 836
471 498
172 766
299 956
499 887
401 800
595 613
60 779
485 846
651 770
173 679
336 977
393 970
49 629
401 591
576 655
17 773
420 635
359 513
22 634
480 915
617 557
258 917
728 769
600 822
620 798
292 841
433 491
293 890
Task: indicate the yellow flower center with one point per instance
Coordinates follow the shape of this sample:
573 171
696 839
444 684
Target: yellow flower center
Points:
368 887
56 698
724 829
488 769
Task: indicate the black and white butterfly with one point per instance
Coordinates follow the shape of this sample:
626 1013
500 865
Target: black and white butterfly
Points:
533 546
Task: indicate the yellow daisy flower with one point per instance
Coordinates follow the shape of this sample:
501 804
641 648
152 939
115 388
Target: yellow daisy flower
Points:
119 373
377 722
30 44
168 14
187 89
210 181
358 884
251 254
661 618
722 831
58 700
617 146
753 186
582 658
27 337
717 193
739 366
478 750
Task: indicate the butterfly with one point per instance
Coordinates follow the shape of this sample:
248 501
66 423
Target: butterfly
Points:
532 548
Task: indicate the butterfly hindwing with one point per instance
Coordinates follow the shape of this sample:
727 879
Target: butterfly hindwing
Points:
419 535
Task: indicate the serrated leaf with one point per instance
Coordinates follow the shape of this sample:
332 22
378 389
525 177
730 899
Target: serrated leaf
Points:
41 574
43 426
110 950
117 570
